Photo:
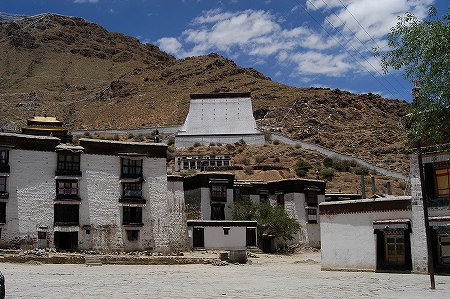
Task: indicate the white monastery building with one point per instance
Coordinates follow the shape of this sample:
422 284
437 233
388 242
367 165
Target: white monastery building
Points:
100 195
219 118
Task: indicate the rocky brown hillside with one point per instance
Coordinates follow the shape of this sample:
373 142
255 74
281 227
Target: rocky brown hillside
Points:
94 79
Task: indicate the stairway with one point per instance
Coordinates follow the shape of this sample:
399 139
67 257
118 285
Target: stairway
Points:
92 260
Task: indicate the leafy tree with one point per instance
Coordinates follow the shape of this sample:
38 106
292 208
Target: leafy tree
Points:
272 220
301 167
419 47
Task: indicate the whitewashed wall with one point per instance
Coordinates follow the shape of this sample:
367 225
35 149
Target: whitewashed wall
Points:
216 239
31 187
348 240
100 193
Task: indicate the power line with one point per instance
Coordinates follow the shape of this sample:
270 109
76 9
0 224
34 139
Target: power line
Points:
343 47
368 34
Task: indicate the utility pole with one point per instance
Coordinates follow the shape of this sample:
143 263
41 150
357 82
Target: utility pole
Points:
425 215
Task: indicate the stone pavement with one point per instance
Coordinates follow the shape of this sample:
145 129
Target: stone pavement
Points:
275 276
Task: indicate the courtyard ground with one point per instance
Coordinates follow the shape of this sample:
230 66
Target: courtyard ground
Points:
296 275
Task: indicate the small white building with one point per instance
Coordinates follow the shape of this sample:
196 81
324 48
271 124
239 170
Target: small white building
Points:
366 234
209 195
389 234
101 195
224 235
219 118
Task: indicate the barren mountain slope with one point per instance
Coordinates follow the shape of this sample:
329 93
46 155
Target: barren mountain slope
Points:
93 79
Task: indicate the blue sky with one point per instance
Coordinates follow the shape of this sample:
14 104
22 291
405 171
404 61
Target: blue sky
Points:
303 43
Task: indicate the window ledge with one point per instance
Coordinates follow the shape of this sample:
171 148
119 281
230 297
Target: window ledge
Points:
133 224
132 200
66 223
68 173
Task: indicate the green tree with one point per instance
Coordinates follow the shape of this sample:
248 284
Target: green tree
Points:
272 220
419 47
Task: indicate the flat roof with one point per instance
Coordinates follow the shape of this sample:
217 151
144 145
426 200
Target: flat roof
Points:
220 95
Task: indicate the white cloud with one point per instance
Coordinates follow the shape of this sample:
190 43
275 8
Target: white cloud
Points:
171 45
340 44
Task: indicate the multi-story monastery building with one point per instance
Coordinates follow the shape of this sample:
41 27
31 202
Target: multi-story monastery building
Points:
100 195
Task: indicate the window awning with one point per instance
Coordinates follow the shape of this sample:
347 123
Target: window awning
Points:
66 229
218 181
71 148
391 224
442 222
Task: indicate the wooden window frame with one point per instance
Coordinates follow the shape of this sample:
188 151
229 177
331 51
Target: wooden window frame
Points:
439 175
131 167
311 214
68 162
132 215
132 190
66 214
67 188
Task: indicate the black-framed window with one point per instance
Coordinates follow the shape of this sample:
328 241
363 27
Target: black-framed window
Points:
393 250
42 235
131 167
66 214
311 198
4 160
132 235
312 215
2 184
218 212
68 162
67 188
132 190
3 212
4 157
132 215
280 198
219 192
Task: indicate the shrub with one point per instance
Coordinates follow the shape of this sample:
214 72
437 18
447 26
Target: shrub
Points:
301 167
327 173
341 165
212 144
353 163
337 164
327 162
171 141
276 142
259 159
361 170
243 160
248 170
197 144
